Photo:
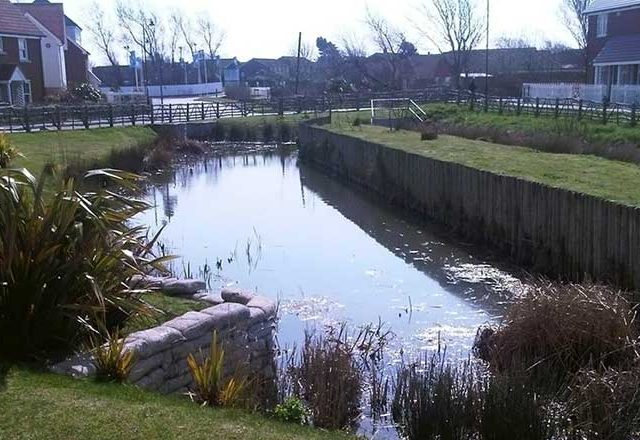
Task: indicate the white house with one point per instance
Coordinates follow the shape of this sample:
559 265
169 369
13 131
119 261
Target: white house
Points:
53 61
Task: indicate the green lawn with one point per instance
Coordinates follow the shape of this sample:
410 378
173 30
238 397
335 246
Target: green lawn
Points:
168 307
590 130
80 146
609 179
43 406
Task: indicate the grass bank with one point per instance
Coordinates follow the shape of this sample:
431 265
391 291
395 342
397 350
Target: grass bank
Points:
608 179
81 147
592 131
45 406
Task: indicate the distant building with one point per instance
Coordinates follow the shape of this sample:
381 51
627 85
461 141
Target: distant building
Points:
613 43
21 67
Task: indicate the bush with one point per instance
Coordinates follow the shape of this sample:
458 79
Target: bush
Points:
557 329
291 410
7 151
211 388
268 132
63 260
112 362
284 132
428 131
236 133
85 92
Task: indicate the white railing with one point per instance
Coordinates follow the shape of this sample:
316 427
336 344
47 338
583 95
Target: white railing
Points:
627 94
170 90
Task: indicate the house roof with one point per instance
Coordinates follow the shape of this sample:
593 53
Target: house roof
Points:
10 72
70 22
620 50
608 5
426 66
13 21
50 15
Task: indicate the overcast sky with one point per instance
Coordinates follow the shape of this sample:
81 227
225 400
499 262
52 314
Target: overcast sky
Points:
268 28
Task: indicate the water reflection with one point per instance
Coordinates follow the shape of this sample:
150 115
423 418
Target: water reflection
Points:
326 251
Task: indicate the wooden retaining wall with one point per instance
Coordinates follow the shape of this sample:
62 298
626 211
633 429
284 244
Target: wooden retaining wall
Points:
553 231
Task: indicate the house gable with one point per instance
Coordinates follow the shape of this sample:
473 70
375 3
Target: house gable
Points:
13 22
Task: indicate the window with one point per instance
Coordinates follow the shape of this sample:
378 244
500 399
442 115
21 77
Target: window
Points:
602 74
27 92
626 74
1 45
603 24
23 49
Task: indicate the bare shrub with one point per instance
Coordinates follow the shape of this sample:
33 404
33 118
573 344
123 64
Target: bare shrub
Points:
606 404
557 329
331 372
433 399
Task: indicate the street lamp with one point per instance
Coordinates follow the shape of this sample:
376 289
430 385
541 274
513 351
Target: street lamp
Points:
195 48
152 25
486 66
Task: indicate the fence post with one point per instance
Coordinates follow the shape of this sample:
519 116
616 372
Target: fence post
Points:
500 110
217 110
133 114
604 112
472 101
170 114
153 114
281 107
27 122
633 115
59 117
579 109
556 112
537 107
202 115
519 107
188 116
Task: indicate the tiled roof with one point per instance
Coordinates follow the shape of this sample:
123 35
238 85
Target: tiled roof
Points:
13 21
70 22
50 15
619 50
608 5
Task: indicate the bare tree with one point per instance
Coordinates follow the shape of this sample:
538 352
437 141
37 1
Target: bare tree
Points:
572 12
102 32
142 28
455 28
390 42
188 31
174 37
509 42
307 51
211 35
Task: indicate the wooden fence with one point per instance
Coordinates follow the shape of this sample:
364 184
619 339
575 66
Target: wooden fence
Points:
605 113
33 118
552 230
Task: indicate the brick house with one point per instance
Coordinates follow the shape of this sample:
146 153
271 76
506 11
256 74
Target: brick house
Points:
65 61
21 68
613 42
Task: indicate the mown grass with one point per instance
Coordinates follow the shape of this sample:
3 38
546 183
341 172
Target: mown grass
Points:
166 308
607 179
64 148
35 405
591 130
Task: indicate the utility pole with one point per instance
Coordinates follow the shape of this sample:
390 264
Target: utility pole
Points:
486 66
298 61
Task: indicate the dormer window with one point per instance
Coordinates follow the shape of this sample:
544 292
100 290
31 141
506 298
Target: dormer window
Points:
603 24
23 49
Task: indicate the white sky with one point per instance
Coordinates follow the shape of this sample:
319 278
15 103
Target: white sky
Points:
268 28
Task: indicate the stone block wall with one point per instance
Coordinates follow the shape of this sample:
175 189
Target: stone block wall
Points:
245 324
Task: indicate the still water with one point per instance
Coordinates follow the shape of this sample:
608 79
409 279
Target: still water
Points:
328 252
